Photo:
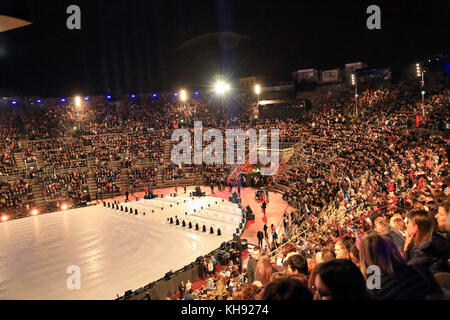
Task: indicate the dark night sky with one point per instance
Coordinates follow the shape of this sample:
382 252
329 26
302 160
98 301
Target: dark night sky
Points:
135 45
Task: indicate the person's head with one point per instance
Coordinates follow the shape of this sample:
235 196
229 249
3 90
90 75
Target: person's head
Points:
328 254
421 226
319 257
264 268
250 292
397 222
288 248
380 251
255 253
441 216
238 295
342 249
296 264
381 225
286 289
339 279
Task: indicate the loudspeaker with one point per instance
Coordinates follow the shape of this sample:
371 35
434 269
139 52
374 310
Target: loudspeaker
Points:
244 244
168 275
223 257
199 260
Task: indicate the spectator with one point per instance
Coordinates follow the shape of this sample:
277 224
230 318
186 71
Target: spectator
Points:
424 246
339 279
286 289
398 281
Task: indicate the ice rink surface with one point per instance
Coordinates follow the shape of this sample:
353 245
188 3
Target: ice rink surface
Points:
115 251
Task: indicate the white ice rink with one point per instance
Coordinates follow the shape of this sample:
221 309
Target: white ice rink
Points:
114 250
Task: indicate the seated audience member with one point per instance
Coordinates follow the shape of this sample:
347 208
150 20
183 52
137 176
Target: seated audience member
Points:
382 227
296 264
398 280
342 248
286 289
424 246
339 279
250 292
190 295
441 217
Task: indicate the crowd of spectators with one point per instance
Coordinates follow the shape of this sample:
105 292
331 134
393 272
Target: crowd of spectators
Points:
15 194
108 180
62 186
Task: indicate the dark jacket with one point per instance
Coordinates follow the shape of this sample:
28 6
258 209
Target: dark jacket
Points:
408 282
433 254
397 237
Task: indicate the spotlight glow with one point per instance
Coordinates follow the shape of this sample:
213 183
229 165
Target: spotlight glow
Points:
77 101
34 212
183 95
4 218
221 87
257 89
64 207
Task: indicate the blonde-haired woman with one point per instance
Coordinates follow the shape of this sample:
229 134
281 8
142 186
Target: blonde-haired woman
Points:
264 269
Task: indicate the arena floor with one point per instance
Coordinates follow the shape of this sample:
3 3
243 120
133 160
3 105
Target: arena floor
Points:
115 251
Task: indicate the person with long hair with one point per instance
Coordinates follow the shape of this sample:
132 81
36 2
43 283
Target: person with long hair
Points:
397 280
264 269
423 245
339 279
342 248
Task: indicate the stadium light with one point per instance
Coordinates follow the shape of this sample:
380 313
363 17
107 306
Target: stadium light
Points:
108 97
183 95
77 101
34 212
86 98
355 84
14 102
221 87
63 100
38 100
257 89
4 218
64 207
